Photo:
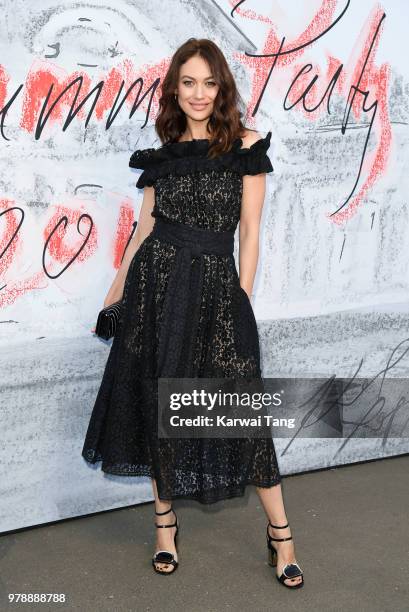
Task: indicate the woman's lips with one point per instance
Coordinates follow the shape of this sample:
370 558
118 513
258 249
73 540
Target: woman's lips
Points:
198 106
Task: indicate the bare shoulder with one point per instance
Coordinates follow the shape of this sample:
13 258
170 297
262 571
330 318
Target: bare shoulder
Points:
250 137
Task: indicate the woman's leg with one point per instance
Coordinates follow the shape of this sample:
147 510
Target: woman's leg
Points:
164 537
272 500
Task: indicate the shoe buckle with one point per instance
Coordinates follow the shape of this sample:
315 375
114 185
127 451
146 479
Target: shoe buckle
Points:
293 575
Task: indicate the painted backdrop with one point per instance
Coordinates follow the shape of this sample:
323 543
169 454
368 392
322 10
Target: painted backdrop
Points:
79 84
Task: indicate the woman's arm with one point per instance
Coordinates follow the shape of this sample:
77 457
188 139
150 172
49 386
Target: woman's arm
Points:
254 189
143 229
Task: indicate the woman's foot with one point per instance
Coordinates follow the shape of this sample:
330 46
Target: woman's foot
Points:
165 540
285 552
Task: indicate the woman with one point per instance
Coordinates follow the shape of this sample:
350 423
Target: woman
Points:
186 313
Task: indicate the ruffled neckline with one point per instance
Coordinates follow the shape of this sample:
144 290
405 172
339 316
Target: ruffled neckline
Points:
191 155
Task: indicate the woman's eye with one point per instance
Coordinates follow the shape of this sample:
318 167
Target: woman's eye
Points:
211 83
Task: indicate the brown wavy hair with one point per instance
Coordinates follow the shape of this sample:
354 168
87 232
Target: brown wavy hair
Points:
225 122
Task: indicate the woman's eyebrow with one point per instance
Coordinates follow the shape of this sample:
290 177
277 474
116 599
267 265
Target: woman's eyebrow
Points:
190 77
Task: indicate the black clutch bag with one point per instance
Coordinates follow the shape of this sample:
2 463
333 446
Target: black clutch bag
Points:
108 319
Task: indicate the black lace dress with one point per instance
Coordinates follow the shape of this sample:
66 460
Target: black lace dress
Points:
183 310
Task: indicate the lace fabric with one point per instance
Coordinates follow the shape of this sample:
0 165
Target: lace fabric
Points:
197 192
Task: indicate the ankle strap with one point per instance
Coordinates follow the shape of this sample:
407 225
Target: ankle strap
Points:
172 525
278 539
270 538
166 512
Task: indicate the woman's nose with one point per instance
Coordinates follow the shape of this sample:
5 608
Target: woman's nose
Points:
199 93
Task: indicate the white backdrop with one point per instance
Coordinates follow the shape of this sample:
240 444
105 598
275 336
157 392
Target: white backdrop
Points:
331 291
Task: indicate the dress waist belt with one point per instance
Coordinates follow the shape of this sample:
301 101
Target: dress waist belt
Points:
192 242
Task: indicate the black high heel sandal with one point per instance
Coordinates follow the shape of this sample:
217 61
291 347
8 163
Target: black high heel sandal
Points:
290 570
164 556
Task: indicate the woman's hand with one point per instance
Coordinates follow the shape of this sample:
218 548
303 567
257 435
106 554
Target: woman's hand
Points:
112 297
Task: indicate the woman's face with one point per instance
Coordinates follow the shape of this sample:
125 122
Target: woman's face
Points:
196 89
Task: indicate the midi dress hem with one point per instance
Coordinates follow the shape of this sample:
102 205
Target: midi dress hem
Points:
212 495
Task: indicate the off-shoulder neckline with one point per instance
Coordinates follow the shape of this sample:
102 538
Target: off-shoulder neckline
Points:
197 143
196 140
193 139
